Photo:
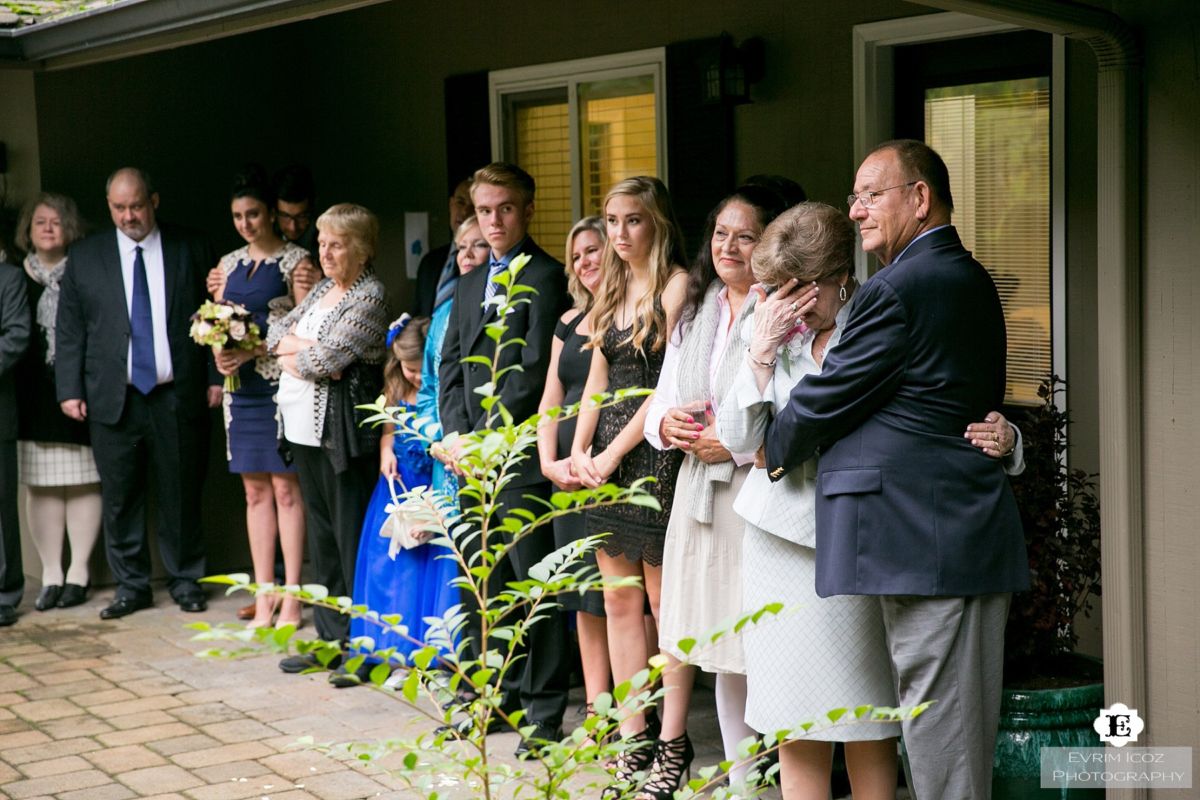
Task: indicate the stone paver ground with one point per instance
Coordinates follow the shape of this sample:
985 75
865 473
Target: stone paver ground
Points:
94 710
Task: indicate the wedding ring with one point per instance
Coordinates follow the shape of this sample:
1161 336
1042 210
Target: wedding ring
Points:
793 307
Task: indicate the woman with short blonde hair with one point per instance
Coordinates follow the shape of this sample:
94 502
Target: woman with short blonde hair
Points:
330 348
355 222
570 362
829 652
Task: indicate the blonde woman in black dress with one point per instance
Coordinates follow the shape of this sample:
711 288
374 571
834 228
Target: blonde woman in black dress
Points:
570 363
639 300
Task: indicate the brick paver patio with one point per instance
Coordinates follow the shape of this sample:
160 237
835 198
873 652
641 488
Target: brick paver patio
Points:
93 710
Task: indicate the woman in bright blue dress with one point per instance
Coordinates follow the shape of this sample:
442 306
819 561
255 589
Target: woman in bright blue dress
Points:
470 251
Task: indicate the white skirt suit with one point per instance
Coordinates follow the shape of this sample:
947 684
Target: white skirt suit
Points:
819 653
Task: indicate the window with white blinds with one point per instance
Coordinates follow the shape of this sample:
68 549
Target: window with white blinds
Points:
995 140
541 150
618 135
578 127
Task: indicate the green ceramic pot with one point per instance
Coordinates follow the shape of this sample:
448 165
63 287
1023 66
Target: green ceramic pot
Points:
1031 719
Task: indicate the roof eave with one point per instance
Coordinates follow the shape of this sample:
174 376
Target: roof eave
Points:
143 26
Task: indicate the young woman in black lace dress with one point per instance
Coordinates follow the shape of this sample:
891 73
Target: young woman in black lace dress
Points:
638 303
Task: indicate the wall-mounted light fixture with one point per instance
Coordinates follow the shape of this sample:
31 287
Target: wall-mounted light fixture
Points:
730 70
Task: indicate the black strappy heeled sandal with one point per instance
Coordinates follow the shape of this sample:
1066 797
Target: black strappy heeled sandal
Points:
637 758
672 765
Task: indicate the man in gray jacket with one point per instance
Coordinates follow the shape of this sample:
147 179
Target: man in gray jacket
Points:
14 338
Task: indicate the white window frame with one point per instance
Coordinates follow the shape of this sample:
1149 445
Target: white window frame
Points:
874 115
568 75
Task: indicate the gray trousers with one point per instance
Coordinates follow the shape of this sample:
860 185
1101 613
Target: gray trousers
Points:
949 650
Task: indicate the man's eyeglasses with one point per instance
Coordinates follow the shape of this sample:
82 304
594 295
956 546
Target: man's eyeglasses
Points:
867 199
283 216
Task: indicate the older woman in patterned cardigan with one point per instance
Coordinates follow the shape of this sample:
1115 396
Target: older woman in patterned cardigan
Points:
330 348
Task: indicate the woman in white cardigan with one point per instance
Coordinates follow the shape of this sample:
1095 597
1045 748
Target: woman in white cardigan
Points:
702 571
824 653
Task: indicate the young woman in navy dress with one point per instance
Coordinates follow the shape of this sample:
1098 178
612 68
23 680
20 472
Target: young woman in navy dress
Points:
262 276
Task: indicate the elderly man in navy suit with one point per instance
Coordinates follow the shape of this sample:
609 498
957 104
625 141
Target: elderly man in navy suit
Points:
907 509
127 366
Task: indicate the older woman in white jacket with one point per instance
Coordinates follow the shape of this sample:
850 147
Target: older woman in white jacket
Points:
823 653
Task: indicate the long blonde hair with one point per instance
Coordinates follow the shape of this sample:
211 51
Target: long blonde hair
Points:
666 251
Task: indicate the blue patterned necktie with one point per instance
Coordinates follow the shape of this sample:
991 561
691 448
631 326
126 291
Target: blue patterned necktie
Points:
494 269
144 373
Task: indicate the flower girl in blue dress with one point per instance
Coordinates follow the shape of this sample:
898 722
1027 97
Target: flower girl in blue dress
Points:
414 583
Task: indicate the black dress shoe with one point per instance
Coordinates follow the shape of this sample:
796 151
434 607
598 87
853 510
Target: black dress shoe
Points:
300 662
193 603
348 680
72 595
124 606
461 700
48 597
466 727
8 615
541 735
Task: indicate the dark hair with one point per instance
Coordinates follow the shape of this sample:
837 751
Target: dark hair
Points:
294 184
766 202
921 162
252 182
510 176
791 192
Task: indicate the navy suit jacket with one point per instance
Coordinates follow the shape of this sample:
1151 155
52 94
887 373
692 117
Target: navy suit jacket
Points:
520 390
905 505
92 328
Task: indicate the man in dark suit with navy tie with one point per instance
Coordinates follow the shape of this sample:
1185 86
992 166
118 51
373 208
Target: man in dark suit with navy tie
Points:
127 365
503 198
907 509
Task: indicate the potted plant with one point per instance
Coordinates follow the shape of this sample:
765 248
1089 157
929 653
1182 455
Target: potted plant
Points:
1051 694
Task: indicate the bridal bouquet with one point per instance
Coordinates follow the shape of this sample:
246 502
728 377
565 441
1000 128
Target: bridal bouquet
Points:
226 324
